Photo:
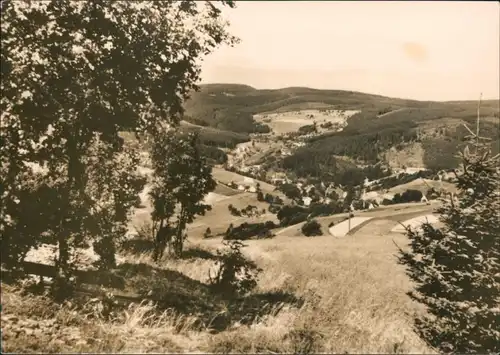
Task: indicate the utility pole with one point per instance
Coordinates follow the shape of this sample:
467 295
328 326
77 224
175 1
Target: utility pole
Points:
351 208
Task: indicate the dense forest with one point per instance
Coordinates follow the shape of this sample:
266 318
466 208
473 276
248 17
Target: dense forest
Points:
217 138
318 158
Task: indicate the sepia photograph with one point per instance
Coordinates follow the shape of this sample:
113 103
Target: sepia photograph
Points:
250 177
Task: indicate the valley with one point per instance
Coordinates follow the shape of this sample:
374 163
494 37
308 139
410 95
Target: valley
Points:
314 163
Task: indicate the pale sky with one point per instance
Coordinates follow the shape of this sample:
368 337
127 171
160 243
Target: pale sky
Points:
420 50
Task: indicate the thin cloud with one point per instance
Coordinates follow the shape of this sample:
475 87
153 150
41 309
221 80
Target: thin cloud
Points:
415 51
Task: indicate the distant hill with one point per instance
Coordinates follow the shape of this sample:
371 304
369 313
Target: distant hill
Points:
231 106
383 123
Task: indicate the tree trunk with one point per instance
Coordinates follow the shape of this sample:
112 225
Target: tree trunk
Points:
179 240
63 260
159 243
74 176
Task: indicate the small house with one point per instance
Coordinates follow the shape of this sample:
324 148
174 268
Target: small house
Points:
248 180
307 201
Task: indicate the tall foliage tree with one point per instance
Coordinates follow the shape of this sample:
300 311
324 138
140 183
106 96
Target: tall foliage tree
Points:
457 267
111 188
77 71
182 178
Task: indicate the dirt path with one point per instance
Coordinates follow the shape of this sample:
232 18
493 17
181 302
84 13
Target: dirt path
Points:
341 229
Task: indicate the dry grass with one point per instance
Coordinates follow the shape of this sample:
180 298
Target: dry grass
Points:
219 218
424 185
353 292
35 323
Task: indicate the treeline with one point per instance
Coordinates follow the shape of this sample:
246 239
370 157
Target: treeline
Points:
440 153
365 144
217 138
247 231
292 214
315 162
229 119
231 108
212 154
400 179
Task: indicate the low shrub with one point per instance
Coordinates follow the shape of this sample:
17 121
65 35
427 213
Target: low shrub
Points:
208 233
250 230
408 196
311 228
235 275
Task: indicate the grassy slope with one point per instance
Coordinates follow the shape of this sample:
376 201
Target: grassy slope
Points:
226 177
354 293
215 137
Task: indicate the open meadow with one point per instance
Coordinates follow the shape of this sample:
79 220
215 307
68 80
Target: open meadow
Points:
288 122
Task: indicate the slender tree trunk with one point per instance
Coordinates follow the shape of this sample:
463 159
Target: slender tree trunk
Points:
157 242
74 176
179 240
63 260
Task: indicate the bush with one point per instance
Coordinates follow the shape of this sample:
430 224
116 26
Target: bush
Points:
261 128
387 202
249 230
291 191
308 129
274 208
208 233
412 195
138 203
234 211
250 211
235 275
273 199
289 215
320 209
311 228
408 196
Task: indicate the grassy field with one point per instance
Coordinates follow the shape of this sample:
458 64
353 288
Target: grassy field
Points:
226 177
317 294
424 185
219 218
291 121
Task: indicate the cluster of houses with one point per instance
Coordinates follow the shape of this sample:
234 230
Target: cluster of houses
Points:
247 185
